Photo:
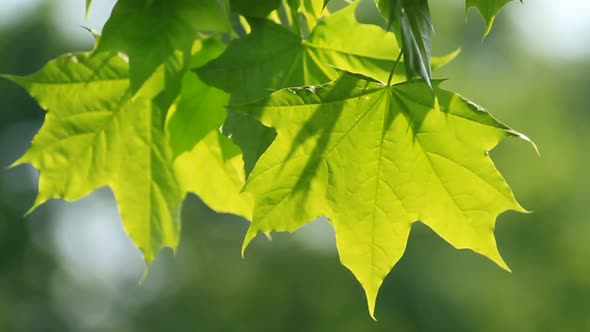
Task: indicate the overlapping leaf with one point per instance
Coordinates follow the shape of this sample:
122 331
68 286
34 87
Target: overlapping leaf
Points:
159 33
374 159
272 57
206 161
98 132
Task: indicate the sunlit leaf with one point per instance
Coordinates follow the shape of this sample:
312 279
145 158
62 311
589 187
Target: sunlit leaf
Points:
97 134
488 9
159 33
374 159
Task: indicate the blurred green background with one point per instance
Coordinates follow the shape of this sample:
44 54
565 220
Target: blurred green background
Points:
69 266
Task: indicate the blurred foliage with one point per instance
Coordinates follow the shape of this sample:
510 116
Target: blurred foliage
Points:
294 284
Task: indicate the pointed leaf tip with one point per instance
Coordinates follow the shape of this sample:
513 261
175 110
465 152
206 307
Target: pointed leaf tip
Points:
250 235
488 9
88 4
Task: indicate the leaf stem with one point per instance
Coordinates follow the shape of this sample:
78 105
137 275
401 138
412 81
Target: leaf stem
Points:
399 57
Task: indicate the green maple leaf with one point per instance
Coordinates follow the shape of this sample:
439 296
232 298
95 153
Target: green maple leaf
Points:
374 159
488 9
411 21
156 33
273 57
98 132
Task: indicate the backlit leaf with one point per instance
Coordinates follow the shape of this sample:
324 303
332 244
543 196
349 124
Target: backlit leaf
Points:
488 9
156 33
374 159
272 57
98 134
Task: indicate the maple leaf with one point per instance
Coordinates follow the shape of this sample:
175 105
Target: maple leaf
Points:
488 9
273 57
97 132
159 32
374 159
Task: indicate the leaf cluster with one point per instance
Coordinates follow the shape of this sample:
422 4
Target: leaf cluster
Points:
279 111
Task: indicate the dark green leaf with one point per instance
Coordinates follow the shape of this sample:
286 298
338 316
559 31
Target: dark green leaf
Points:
412 25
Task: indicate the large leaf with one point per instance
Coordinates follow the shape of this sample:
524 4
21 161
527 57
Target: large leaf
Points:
97 132
156 33
412 24
488 9
207 162
374 159
273 57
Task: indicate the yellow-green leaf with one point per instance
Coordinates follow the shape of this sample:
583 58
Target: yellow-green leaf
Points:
375 159
96 133
488 9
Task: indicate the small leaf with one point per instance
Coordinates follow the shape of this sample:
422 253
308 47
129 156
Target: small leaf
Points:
375 159
311 9
412 25
272 57
208 163
488 9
